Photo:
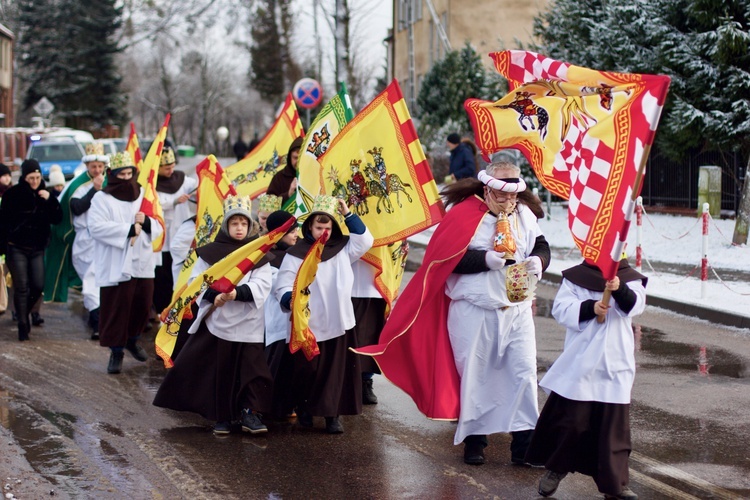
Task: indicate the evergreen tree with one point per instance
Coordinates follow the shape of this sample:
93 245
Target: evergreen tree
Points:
66 52
450 81
266 68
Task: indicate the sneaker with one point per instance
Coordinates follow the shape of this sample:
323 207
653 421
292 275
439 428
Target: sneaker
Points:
138 352
222 428
473 453
368 396
333 425
251 422
625 494
36 320
549 482
115 362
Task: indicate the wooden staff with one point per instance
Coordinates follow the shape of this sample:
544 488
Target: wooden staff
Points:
634 196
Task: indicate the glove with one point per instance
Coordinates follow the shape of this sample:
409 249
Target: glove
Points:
494 260
534 265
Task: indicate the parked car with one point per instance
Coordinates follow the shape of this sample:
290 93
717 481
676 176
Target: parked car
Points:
112 146
63 151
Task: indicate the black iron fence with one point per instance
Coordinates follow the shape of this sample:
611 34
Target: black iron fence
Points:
675 184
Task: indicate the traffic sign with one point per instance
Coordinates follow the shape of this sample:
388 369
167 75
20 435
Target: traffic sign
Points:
44 107
307 93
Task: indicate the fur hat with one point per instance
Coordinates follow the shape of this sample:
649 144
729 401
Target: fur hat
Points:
239 205
56 177
95 152
454 138
29 166
167 157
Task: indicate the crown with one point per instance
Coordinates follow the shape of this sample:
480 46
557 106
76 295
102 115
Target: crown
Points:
95 148
121 159
327 204
269 203
167 157
238 205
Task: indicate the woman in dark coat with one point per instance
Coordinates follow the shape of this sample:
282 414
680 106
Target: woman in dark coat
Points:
284 182
26 213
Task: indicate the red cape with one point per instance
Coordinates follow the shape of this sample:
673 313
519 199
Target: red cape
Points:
415 351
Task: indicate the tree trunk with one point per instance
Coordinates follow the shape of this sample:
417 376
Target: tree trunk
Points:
743 213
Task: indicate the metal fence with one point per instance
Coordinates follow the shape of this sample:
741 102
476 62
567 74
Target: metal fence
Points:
675 184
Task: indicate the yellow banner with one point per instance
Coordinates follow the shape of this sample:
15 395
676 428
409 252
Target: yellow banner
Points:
301 336
147 178
252 175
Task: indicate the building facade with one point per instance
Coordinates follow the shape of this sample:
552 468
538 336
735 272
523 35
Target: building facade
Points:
6 77
417 40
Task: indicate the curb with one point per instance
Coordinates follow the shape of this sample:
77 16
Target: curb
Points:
416 253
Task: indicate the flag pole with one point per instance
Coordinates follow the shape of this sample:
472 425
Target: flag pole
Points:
621 242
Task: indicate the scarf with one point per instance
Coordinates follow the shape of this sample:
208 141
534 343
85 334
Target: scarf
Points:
590 277
170 184
123 189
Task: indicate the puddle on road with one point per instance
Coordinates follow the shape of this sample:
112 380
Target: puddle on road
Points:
703 360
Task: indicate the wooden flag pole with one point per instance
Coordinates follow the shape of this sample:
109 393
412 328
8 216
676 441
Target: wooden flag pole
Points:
633 197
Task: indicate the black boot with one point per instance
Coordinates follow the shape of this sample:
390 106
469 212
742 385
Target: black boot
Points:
36 319
115 362
474 449
518 446
333 425
23 331
138 352
368 395
94 323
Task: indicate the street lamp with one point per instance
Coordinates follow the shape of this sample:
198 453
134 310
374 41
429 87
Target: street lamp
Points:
222 133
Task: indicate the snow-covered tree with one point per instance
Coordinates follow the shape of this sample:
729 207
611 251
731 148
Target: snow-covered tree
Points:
703 45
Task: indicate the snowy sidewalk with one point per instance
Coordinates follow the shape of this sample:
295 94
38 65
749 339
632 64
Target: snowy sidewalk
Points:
672 256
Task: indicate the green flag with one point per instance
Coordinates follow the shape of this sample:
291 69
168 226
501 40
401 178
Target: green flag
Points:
330 120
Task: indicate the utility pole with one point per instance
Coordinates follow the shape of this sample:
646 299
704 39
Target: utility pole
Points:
341 49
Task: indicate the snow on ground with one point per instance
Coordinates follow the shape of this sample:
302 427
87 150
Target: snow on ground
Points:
669 239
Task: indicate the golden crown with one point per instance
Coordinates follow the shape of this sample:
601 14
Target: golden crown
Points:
121 159
95 148
269 203
167 157
327 204
237 205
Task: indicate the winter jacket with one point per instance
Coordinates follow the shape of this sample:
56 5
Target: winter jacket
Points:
25 217
462 163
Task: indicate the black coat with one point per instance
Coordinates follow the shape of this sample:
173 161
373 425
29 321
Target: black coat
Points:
25 217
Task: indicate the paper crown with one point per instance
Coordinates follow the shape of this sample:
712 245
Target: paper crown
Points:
95 152
238 205
121 159
167 157
327 204
269 203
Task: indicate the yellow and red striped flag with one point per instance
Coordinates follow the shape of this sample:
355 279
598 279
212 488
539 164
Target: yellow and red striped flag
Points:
252 174
222 277
586 134
389 262
377 165
147 177
301 336
134 148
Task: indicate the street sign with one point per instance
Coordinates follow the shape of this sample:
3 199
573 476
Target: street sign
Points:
307 93
44 107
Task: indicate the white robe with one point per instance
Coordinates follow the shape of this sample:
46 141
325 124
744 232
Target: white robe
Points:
175 214
331 307
277 320
598 359
236 321
115 260
364 280
494 349
180 245
82 254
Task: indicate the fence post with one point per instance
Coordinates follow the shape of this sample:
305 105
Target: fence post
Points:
639 234
704 251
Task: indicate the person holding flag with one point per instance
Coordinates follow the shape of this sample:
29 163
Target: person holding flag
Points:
284 182
329 384
221 372
83 189
173 188
585 423
124 260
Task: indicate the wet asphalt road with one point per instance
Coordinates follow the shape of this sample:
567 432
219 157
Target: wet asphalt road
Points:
92 435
